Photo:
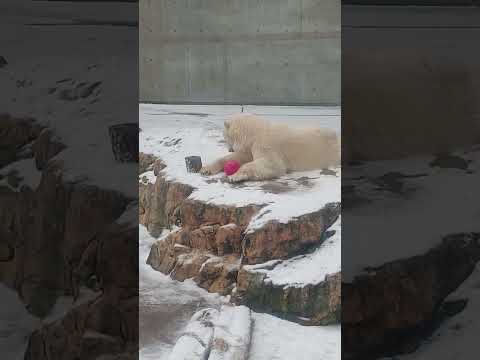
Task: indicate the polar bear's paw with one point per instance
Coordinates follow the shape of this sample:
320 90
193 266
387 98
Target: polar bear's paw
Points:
236 178
210 170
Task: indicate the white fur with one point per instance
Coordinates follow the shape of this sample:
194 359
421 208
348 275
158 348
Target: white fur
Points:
266 150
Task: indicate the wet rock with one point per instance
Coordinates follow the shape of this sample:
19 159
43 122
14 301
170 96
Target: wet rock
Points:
3 62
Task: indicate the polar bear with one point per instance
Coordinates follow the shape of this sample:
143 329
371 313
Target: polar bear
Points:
266 151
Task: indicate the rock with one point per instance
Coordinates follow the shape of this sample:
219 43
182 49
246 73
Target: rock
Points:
145 162
308 304
108 324
15 135
193 163
124 139
188 265
66 236
228 239
45 147
3 62
277 240
412 291
193 213
159 203
218 274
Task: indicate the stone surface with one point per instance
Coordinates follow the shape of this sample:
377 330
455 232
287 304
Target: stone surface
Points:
277 240
211 243
15 135
308 304
65 236
124 139
412 291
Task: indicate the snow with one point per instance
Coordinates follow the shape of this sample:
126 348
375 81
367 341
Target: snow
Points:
25 170
64 304
399 226
166 305
232 326
305 269
457 337
188 348
37 64
173 132
277 339
16 325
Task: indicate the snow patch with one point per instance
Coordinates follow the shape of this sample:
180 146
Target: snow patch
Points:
305 269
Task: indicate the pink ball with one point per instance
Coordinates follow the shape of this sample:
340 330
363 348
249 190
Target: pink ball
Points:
231 167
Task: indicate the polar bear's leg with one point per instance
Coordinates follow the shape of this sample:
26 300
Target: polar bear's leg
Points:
217 166
260 169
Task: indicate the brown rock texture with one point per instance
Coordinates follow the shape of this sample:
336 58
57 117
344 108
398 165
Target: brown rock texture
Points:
412 291
276 240
62 236
159 202
15 136
211 243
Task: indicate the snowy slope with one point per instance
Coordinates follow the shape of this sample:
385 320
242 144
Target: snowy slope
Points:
38 82
408 222
277 339
166 305
174 132
457 338
306 269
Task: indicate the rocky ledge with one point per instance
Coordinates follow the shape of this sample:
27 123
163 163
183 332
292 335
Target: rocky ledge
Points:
412 302
59 237
216 246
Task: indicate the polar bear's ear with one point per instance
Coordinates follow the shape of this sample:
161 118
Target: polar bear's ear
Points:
227 124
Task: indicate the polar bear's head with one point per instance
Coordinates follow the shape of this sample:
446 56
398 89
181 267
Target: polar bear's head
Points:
240 131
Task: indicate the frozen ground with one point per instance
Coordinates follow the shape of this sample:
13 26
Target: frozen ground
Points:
174 132
407 212
38 82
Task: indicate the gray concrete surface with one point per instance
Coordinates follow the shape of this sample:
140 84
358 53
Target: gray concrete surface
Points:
240 51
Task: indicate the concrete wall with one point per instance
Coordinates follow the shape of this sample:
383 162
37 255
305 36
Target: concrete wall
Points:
240 51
